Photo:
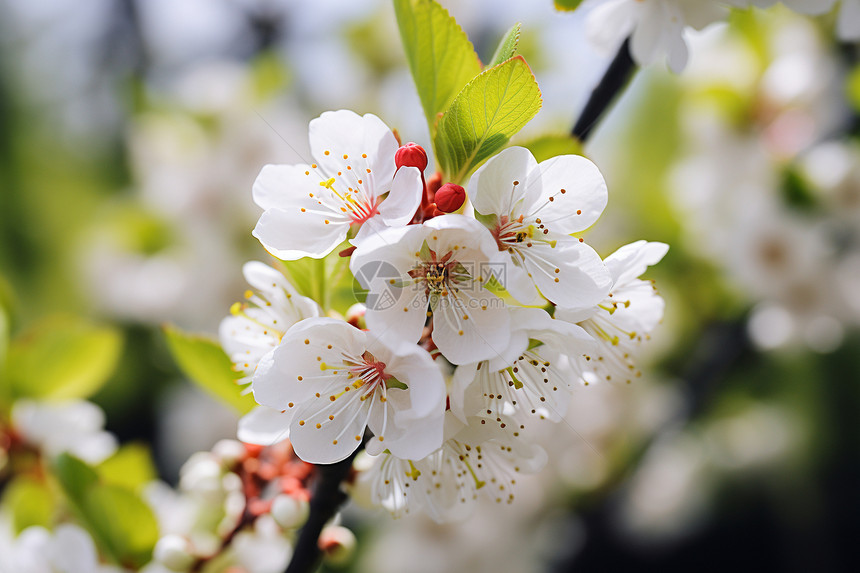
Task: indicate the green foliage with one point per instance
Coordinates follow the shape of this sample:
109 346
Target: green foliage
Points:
485 114
28 502
567 5
121 523
4 340
507 47
547 146
440 56
205 363
62 358
130 467
852 88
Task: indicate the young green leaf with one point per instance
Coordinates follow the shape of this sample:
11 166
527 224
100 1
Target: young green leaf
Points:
547 146
130 467
62 358
507 47
440 56
120 522
567 5
205 363
484 115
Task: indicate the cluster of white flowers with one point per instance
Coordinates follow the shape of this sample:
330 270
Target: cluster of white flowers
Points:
657 28
461 350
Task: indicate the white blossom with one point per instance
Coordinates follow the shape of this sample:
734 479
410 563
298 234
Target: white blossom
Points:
479 457
534 376
309 209
71 426
436 270
627 316
655 27
531 209
335 380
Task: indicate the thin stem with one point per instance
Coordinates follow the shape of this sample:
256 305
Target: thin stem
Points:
617 75
325 501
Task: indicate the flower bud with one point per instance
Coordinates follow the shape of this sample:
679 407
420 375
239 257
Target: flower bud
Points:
173 552
230 452
337 544
290 512
450 197
411 155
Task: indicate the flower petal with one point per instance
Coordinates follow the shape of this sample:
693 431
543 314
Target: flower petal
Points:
470 326
572 194
492 188
365 140
404 198
296 232
571 274
265 426
631 261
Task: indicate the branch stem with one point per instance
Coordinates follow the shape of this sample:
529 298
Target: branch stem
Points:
617 75
325 501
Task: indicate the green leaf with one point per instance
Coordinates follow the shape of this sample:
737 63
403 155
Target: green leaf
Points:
205 363
75 476
29 502
507 47
567 5
4 340
440 55
484 115
130 467
852 88
121 523
62 358
547 146
125 524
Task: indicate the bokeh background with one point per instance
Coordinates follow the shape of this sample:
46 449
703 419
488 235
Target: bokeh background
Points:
131 132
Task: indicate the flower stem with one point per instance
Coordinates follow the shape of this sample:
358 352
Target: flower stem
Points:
325 501
617 75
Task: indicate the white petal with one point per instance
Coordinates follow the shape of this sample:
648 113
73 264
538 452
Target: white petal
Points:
631 261
649 35
517 282
281 185
397 315
571 194
294 373
73 550
344 132
571 274
400 205
265 426
414 366
610 22
470 326
492 189
413 440
318 440
461 380
290 233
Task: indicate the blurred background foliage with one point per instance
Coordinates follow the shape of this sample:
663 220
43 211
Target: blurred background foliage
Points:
130 135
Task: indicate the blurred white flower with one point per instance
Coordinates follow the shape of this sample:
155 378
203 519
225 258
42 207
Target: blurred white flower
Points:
68 549
656 27
72 426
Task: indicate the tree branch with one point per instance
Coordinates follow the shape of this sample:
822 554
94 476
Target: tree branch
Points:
325 501
619 72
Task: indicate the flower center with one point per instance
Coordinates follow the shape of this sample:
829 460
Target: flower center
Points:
512 234
355 203
439 274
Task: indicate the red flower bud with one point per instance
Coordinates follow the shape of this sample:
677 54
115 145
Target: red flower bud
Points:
450 197
411 155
